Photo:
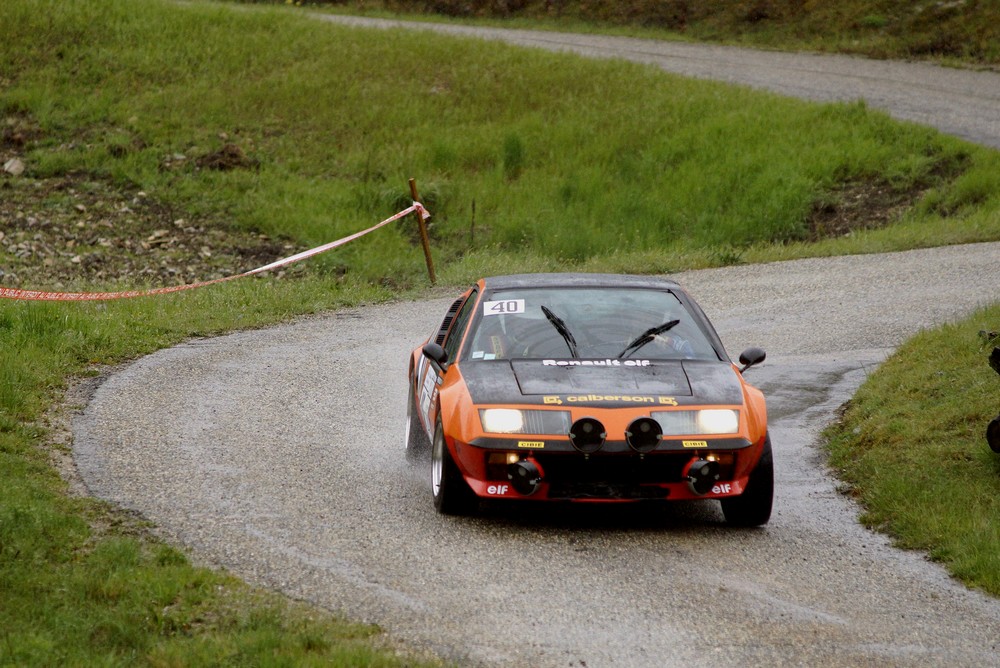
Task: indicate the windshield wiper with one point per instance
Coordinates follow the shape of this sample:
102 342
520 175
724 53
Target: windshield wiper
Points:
562 329
646 337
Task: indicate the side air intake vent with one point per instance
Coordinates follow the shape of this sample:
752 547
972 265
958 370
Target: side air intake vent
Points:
448 319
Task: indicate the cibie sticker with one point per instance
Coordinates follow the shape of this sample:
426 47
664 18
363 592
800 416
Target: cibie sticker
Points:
503 307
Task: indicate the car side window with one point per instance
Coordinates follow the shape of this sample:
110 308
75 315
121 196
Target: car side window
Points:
458 327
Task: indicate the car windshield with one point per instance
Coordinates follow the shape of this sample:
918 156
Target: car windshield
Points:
586 323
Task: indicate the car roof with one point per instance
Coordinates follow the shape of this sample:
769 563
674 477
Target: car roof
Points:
577 280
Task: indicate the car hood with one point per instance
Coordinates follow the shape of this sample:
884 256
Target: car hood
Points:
604 383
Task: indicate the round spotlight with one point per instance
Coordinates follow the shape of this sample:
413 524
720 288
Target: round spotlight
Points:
701 475
525 477
587 435
643 434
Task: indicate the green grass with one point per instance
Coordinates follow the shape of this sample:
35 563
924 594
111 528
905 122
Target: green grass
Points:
569 163
582 159
912 443
82 584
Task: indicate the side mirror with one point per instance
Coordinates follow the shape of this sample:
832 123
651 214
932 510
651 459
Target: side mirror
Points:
436 354
751 357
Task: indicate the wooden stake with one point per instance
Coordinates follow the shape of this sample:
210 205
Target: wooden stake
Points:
472 226
424 239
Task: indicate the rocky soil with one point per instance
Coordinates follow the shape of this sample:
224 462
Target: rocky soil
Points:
78 230
75 229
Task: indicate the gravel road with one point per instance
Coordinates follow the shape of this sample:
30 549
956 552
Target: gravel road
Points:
277 454
960 102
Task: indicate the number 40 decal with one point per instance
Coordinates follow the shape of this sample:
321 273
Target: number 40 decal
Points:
503 307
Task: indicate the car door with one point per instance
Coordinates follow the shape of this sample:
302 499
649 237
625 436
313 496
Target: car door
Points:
449 336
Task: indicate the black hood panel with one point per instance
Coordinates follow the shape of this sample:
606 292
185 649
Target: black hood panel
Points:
603 377
604 383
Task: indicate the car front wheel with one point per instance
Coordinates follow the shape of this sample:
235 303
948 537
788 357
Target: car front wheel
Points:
452 495
752 508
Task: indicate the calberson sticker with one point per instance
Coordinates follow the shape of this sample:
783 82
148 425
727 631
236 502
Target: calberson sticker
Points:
604 362
616 398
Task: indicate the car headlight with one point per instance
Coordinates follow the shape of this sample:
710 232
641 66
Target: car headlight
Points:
706 421
515 421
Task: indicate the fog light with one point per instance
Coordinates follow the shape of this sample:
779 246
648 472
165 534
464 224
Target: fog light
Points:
587 435
701 475
525 477
643 434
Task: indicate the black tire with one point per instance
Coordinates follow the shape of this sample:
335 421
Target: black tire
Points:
452 495
417 444
752 508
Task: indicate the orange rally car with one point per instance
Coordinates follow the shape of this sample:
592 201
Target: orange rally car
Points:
586 388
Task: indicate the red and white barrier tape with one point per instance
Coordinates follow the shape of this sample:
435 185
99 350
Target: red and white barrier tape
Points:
36 295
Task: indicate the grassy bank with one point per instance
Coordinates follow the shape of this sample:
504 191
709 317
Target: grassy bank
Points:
83 584
124 112
588 163
912 444
966 32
